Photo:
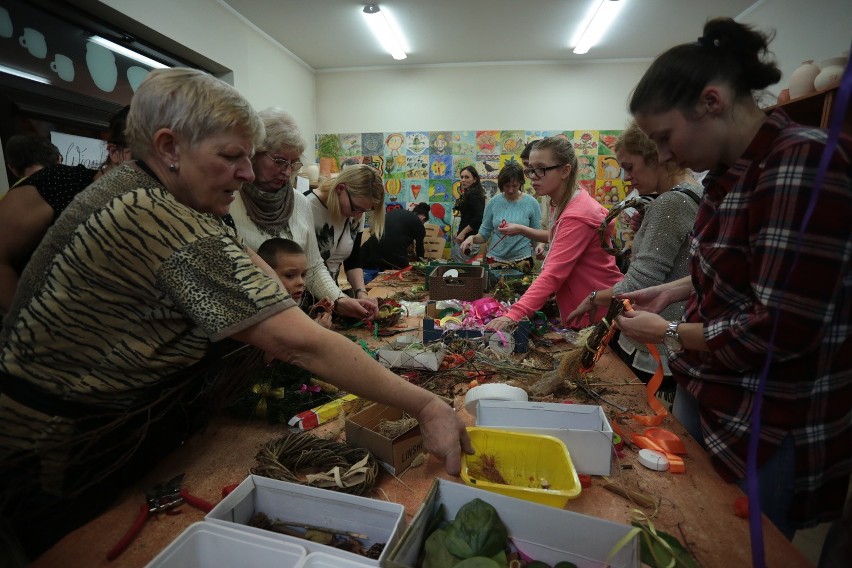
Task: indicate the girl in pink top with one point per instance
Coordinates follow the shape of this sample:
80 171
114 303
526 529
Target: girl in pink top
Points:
576 262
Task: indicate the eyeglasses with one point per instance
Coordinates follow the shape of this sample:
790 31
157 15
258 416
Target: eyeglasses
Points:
284 164
352 207
539 172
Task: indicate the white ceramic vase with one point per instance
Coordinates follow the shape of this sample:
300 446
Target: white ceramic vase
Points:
802 79
829 76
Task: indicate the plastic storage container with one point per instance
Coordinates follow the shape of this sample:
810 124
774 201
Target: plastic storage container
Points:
535 467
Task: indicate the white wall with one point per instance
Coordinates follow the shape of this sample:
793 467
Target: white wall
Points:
501 97
816 30
264 72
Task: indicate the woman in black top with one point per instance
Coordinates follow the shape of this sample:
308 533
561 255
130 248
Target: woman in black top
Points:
469 208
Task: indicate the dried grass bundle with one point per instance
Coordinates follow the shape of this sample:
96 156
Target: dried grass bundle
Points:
297 457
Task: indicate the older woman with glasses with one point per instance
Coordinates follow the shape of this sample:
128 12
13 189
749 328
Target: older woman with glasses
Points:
576 262
269 207
338 207
114 354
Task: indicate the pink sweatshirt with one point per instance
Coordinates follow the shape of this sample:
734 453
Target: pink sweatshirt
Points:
575 265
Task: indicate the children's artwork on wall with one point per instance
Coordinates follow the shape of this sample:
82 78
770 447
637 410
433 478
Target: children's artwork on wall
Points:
377 162
464 143
440 190
607 141
440 167
394 144
350 145
372 143
585 142
586 167
393 188
417 167
608 168
440 143
424 166
396 166
512 141
416 143
488 165
487 141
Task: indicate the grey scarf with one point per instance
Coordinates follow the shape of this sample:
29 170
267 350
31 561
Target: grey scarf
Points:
269 210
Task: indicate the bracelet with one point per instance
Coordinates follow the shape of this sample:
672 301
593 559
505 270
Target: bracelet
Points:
334 305
357 290
592 296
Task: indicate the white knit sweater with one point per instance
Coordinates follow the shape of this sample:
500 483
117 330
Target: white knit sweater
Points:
301 230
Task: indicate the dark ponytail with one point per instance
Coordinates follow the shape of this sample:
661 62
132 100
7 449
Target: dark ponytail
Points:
728 51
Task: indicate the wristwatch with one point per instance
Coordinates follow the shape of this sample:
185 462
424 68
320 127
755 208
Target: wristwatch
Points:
671 339
592 297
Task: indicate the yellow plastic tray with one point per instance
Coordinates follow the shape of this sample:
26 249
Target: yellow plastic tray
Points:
524 461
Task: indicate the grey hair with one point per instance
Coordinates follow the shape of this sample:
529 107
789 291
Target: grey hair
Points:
282 132
193 104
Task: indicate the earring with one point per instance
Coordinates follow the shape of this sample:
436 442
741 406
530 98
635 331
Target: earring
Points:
173 167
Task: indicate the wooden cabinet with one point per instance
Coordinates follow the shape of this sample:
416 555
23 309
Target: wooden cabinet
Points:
816 109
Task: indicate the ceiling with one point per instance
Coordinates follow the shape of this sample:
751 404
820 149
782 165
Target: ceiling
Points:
331 34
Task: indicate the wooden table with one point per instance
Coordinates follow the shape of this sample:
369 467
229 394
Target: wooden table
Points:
696 507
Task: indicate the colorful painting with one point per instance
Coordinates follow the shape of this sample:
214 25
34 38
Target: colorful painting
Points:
423 166
394 144
440 143
350 145
416 143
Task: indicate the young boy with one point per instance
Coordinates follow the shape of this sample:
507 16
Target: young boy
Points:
287 258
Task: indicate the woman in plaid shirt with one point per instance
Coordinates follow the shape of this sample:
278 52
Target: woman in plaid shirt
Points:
764 276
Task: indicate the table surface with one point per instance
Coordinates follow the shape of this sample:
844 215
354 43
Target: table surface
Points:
696 507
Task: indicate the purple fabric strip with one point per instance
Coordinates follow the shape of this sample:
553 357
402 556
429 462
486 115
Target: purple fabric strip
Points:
841 104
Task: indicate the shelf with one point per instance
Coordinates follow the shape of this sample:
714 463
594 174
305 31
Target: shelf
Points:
814 109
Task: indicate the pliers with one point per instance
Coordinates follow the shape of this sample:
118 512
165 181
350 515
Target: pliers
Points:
160 498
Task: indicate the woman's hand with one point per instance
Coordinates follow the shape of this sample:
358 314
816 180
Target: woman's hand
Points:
444 434
501 323
466 244
371 305
540 249
652 299
324 319
459 238
643 327
585 307
350 307
511 228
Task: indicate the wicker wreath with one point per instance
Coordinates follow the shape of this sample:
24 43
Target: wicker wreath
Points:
307 460
637 203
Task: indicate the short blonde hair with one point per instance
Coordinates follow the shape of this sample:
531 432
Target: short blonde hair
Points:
282 132
634 141
362 181
194 104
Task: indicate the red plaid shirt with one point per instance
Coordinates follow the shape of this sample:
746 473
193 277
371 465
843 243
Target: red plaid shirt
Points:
745 270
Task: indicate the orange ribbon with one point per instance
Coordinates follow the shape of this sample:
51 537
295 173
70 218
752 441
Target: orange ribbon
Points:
664 441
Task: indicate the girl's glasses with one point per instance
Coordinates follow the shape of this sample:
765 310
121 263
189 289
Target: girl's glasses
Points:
539 172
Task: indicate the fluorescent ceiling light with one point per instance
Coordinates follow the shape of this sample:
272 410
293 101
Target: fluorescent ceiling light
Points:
121 50
604 15
384 31
24 75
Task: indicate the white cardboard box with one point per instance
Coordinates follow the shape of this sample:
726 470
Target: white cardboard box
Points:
381 521
544 533
584 428
322 560
209 545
